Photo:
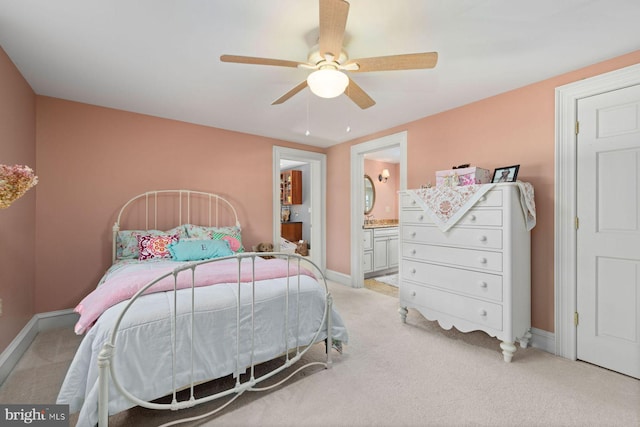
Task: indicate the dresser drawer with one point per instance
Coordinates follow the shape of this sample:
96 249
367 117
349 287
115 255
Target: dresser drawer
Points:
473 310
479 217
457 257
473 283
490 198
406 201
474 237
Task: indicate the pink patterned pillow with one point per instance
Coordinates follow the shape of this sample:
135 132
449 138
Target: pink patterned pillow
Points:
155 246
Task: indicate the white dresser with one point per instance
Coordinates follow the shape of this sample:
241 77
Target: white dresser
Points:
474 276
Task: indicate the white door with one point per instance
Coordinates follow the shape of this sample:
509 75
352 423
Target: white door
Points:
608 235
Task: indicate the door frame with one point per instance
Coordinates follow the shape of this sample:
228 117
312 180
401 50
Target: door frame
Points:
565 259
317 202
357 194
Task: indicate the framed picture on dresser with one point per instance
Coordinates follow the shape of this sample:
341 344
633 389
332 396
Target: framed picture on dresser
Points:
506 174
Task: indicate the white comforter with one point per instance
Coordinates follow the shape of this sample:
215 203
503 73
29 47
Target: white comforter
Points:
144 355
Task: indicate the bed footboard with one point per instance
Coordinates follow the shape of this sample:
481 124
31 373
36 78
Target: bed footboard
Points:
293 344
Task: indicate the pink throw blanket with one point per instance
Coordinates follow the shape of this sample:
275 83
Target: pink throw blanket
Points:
124 286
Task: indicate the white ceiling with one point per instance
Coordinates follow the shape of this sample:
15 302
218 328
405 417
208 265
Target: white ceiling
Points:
161 57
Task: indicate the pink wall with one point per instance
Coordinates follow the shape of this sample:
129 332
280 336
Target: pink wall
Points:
339 208
516 127
17 223
92 160
386 204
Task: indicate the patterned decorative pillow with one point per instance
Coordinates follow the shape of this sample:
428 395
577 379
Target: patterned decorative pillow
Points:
232 234
155 246
127 240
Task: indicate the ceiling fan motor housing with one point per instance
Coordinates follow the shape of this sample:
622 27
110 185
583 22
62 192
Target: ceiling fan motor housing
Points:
316 58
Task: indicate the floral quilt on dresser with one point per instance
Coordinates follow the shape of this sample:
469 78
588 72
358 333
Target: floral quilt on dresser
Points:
447 205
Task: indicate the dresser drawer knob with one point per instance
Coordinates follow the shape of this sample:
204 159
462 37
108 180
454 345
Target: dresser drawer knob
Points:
482 238
413 202
482 312
482 260
482 199
413 294
413 271
413 235
413 251
472 217
421 217
483 285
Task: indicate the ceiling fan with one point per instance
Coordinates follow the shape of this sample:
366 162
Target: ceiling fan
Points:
329 61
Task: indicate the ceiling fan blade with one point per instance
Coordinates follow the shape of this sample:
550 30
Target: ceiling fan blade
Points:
409 61
333 21
289 94
359 96
259 61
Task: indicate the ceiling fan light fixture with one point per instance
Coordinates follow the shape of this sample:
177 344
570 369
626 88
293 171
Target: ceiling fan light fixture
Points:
327 82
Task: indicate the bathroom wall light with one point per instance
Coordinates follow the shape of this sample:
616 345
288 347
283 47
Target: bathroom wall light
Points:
384 175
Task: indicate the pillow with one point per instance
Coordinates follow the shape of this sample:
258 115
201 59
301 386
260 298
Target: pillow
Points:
195 250
155 246
127 240
233 235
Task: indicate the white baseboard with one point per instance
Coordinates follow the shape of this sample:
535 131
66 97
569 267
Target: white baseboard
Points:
543 340
334 276
38 323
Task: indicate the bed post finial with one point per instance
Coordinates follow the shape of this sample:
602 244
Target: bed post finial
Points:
116 228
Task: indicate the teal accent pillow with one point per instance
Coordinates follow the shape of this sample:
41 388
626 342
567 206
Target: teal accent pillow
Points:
195 250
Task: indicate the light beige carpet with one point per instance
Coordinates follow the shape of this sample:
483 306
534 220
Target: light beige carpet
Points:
391 374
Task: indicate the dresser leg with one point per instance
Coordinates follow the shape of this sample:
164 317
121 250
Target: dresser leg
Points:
403 314
508 350
524 341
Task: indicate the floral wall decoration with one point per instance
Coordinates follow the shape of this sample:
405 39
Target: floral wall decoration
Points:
14 182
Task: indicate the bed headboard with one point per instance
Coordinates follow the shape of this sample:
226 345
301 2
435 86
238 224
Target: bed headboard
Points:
165 209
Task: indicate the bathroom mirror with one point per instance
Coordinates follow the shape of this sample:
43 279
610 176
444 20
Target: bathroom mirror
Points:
369 195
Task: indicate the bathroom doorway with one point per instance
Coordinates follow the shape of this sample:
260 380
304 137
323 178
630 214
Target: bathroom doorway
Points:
396 144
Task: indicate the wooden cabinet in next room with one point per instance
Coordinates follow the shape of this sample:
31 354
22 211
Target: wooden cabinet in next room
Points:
291 231
291 187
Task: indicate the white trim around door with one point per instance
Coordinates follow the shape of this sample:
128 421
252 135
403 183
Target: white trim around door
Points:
567 97
357 194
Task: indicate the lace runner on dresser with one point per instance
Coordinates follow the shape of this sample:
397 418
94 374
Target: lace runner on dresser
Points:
446 205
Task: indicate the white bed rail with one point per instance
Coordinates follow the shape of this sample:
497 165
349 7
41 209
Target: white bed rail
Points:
291 355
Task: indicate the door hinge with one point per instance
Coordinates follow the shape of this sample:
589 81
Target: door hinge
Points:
577 223
575 318
577 127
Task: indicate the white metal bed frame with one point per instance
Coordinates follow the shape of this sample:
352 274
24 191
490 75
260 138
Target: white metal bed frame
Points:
106 355
213 205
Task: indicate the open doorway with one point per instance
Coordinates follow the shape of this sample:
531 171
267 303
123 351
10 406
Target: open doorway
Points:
363 236
381 217
302 216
